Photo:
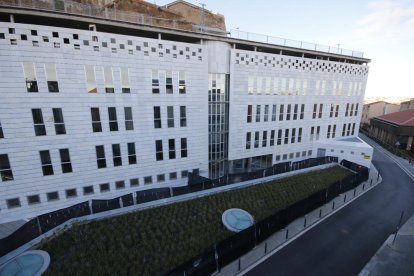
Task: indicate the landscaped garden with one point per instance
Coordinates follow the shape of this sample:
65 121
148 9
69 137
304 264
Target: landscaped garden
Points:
156 240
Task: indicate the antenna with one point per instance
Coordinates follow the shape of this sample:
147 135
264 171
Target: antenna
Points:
202 13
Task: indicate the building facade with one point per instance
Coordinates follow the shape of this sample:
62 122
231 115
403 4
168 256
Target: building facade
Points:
407 105
375 109
94 109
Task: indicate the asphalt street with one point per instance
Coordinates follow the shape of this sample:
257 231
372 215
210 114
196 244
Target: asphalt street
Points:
346 241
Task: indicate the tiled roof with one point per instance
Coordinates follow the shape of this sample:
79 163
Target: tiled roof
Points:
401 118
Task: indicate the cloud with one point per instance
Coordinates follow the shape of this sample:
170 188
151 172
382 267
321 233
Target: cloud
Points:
387 20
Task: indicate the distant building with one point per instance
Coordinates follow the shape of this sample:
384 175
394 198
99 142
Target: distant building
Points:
377 109
407 105
395 128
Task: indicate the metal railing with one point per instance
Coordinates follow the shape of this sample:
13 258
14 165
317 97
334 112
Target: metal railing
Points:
75 8
235 33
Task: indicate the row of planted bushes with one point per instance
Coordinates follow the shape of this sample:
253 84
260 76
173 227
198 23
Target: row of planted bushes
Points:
156 240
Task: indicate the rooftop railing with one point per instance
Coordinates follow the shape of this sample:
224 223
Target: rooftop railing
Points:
235 33
75 8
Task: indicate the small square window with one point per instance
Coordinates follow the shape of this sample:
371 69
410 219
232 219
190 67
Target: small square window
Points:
86 42
12 31
35 43
23 37
113 40
13 202
2 36
130 52
342 151
122 46
160 178
45 39
134 182
113 50
145 44
95 38
174 47
277 157
309 152
120 185
76 46
290 155
104 44
104 187
55 34
33 199
66 40
129 42
173 176
284 156
57 45
52 196
87 190
147 180
75 36
33 32
184 174
332 150
96 48
14 42
196 171
71 193
153 49
138 48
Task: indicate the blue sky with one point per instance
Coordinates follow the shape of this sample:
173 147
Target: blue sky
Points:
382 29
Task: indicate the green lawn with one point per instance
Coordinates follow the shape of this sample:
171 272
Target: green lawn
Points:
156 240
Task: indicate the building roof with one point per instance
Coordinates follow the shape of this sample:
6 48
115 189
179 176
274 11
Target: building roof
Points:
401 118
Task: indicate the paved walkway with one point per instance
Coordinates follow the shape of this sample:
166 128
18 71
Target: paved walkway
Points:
396 255
9 227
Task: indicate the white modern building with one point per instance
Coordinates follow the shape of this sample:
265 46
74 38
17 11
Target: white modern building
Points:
92 108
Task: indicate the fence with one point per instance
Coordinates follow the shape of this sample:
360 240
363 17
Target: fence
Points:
237 245
43 223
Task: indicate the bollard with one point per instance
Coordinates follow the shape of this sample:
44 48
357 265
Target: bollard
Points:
354 192
371 183
320 213
363 186
344 198
287 233
304 223
239 264
378 176
333 205
265 248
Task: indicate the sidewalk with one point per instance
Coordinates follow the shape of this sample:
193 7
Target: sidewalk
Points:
296 228
396 255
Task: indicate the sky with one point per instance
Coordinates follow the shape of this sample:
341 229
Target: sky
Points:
383 30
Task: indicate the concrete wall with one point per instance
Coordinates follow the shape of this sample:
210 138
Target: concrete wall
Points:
377 109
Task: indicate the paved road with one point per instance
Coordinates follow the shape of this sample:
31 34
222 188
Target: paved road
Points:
346 241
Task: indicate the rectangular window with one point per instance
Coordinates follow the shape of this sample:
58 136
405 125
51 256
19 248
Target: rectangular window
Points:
304 87
279 137
334 88
147 180
90 79
286 136
353 129
256 139
65 161
183 116
302 111
259 84
52 196
315 110
171 148
258 113
134 182
132 156
46 161
312 133
120 184
13 203
317 87
318 131
160 178
328 134
356 110
113 122
39 125
158 150
129 123
346 110
173 176
249 113
281 112
116 155
272 138
332 111
291 86
155 82
33 199
104 187
293 138
30 76
71 193
323 88
1 132
266 113
337 110
250 85
87 190
264 141
109 80
275 86
288 112
333 131
157 117
168 82
181 83
267 85
6 173
51 78
183 147
58 120
125 80
273 113
295 112
320 110
100 157
344 130
300 135
352 110
248 140
170 116
96 119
